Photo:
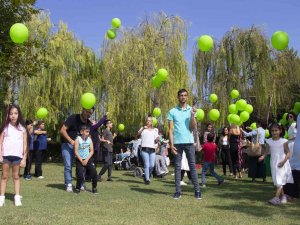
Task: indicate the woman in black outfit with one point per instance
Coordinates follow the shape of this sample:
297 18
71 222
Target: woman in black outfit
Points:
234 141
225 154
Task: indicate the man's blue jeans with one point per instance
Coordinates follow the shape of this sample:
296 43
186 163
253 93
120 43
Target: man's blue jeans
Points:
189 150
67 151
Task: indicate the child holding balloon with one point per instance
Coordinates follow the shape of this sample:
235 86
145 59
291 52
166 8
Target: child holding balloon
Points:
13 147
280 166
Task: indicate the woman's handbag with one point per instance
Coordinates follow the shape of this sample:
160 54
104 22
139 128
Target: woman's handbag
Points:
254 149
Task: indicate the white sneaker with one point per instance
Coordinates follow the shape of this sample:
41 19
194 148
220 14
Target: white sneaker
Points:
40 177
83 188
2 200
69 188
283 199
182 183
18 200
275 201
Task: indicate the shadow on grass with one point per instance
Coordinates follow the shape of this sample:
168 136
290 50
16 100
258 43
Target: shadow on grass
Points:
137 181
148 190
57 186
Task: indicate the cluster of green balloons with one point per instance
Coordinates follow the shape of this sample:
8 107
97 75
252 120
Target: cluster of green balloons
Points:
42 113
205 43
280 40
159 78
240 106
112 32
88 100
19 33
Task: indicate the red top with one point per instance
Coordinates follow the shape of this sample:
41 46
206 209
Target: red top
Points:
209 150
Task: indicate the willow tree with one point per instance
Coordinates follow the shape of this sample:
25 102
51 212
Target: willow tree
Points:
244 60
70 69
130 61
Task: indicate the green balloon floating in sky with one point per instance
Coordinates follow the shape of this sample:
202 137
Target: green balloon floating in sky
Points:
154 121
199 115
88 100
280 40
213 98
162 74
214 114
111 34
205 43
232 109
121 127
156 112
116 22
156 82
18 33
234 94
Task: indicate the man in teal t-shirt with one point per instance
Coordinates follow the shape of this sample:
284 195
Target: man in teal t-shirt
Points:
181 124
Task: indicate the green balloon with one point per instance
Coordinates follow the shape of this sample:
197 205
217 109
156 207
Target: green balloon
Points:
111 34
253 126
213 98
199 115
280 40
267 133
156 112
232 109
156 82
241 104
88 100
235 119
18 33
205 43
249 108
229 118
162 74
244 116
42 113
234 94
154 121
214 114
283 122
286 135
116 22
297 106
121 127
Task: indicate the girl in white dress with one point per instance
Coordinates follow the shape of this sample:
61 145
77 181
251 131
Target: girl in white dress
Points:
280 166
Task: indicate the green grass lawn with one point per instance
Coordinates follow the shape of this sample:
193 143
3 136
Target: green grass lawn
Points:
127 200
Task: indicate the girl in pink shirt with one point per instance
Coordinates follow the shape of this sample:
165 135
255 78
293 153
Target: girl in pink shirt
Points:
13 144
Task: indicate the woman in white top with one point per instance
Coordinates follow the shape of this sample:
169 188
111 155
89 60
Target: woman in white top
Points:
225 154
292 131
149 137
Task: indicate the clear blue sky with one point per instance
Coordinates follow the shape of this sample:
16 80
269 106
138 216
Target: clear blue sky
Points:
89 19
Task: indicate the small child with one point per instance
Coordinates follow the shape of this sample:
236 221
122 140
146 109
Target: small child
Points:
84 150
30 153
13 144
280 166
210 149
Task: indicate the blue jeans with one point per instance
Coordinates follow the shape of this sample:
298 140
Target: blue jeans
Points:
148 155
211 167
67 152
189 150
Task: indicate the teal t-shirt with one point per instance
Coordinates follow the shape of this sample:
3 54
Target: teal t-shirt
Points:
181 120
84 147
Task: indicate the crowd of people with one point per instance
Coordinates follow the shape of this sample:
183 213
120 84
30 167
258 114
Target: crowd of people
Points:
239 148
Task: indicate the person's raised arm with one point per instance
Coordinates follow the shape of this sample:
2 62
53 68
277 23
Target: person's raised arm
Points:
100 122
193 119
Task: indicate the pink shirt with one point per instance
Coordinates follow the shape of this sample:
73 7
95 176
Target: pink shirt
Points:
13 141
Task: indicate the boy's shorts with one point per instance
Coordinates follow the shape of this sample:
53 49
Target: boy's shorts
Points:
12 160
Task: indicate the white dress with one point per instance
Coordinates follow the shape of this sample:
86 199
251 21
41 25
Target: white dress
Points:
283 175
292 132
184 162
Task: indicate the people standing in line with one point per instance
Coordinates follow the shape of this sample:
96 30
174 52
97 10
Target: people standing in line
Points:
225 153
182 122
293 190
257 168
149 138
13 151
210 149
30 152
280 166
84 151
234 142
292 131
209 130
40 147
108 141
69 132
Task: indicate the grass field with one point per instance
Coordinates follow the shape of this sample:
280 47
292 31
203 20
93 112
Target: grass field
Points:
127 200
